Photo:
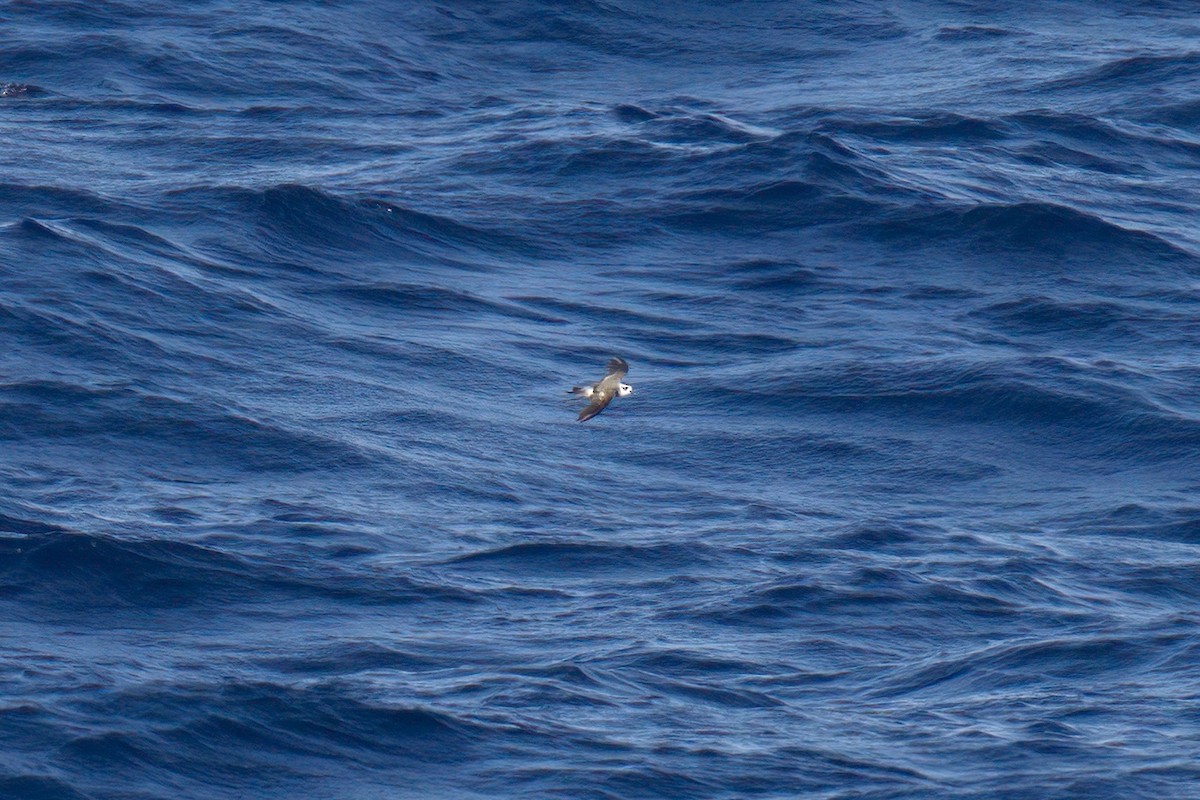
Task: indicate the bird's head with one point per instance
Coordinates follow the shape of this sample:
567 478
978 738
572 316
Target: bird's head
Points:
624 389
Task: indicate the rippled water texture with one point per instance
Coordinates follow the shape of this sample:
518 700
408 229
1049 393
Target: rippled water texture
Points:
294 503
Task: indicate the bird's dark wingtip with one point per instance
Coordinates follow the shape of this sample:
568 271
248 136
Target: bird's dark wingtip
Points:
617 365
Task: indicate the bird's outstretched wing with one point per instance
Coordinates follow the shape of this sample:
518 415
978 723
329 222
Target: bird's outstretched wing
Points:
600 401
616 367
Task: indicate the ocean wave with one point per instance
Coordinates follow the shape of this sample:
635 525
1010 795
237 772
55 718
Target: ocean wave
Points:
160 426
64 570
586 558
1139 521
778 205
1053 155
39 786
947 127
413 297
776 277
312 720
23 527
1043 228
1047 316
31 201
870 594
300 216
991 668
1183 114
297 733
1054 396
348 658
983 33
123 253
1161 70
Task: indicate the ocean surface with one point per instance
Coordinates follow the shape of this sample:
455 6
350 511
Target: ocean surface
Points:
293 501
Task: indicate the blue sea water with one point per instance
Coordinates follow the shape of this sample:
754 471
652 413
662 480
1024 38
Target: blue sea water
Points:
294 503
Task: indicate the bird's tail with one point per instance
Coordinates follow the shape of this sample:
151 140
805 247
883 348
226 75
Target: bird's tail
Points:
583 390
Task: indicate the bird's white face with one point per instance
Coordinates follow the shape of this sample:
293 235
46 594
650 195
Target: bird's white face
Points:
624 389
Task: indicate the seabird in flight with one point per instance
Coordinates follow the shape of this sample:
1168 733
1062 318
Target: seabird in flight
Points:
599 395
